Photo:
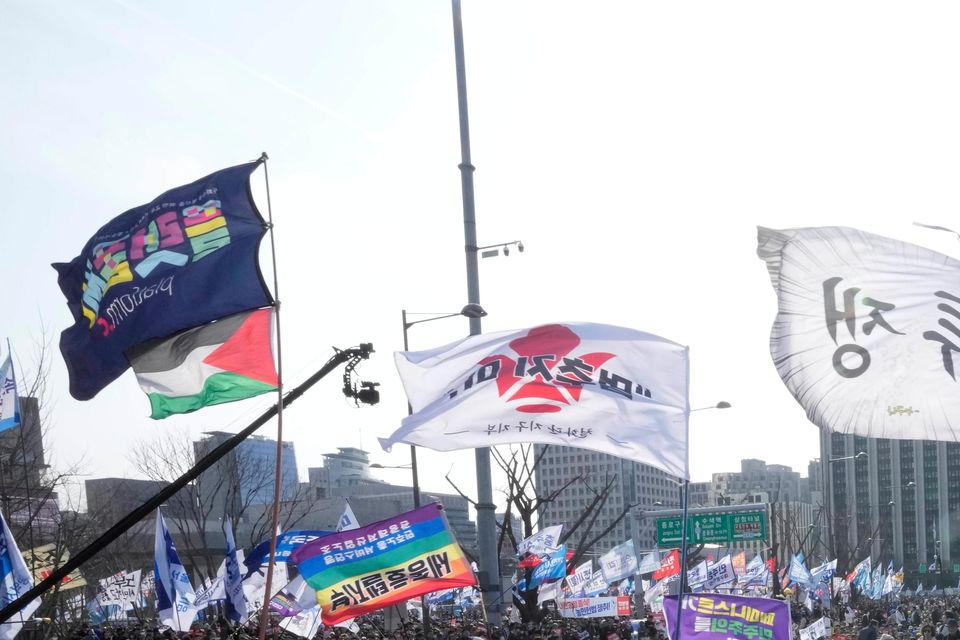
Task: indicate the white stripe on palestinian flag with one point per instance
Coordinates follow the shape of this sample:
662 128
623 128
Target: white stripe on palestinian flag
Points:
186 380
224 361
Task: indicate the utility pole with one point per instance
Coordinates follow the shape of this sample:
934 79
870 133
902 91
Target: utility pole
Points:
486 516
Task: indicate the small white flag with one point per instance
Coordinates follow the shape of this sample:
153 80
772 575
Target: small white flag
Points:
15 581
175 595
348 521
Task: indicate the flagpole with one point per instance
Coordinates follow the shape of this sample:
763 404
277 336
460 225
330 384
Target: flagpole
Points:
683 558
4 498
23 454
277 473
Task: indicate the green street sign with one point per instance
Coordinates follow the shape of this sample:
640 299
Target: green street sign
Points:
713 527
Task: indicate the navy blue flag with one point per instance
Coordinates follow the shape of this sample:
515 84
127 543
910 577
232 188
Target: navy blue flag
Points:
286 544
187 258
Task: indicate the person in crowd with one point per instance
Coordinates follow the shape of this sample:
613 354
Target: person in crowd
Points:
950 630
869 630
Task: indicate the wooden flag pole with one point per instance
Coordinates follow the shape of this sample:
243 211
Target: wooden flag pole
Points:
278 468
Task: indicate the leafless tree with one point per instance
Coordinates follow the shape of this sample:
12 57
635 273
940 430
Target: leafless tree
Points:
519 464
29 486
230 490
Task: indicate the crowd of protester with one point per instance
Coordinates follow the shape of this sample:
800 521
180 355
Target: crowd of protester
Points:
442 627
905 618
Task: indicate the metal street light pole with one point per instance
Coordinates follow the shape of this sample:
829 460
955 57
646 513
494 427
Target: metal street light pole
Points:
486 517
469 311
827 492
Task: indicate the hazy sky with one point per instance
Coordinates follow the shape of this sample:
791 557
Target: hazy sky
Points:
632 146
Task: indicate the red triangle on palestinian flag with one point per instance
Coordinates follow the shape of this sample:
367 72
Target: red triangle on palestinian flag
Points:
223 361
248 352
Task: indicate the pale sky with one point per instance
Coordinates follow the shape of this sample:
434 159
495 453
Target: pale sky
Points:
632 146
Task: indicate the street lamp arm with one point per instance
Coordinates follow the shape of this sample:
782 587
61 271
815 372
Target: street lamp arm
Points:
859 454
518 243
407 325
723 404
471 310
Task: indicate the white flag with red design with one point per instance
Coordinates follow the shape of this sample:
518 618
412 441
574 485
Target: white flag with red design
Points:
600 387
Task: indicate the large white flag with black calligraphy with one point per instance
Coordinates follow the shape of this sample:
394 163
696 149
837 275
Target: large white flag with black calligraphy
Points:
600 387
867 333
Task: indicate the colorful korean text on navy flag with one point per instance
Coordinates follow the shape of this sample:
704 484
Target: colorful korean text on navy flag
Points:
867 335
185 259
594 386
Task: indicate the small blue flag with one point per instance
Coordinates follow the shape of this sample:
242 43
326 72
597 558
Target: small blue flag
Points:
9 403
15 580
236 602
287 543
175 594
551 567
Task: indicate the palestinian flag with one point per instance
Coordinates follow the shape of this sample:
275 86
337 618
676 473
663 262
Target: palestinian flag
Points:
227 360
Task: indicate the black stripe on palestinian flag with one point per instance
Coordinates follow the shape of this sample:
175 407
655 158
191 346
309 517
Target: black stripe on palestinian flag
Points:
227 360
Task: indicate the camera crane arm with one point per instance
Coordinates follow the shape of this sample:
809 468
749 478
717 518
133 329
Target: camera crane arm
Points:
353 355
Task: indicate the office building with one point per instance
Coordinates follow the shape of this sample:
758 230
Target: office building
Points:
348 467
110 499
894 499
699 494
27 500
755 476
245 476
634 484
347 474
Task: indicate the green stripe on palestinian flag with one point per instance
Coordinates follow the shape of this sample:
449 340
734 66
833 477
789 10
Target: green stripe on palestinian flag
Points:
227 360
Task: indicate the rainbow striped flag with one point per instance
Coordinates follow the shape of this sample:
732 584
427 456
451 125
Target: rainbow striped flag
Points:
362 570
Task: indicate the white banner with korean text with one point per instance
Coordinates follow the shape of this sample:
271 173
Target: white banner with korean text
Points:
697 575
122 589
720 573
649 563
819 629
596 585
604 607
619 562
594 386
580 577
867 333
543 541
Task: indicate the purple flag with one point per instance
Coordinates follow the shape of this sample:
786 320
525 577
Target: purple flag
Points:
721 617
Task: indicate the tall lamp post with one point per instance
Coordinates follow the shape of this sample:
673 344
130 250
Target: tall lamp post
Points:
828 494
471 311
489 577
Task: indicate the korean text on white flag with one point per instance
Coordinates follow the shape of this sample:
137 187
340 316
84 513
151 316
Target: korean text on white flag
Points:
175 594
593 386
580 577
541 542
14 582
866 335
720 573
619 562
